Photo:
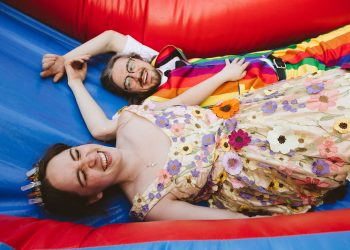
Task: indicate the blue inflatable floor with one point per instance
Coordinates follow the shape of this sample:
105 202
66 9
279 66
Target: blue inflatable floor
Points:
35 113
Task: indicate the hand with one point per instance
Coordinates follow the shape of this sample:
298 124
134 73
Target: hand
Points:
235 70
76 68
53 65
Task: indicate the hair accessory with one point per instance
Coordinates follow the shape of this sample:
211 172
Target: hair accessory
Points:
35 195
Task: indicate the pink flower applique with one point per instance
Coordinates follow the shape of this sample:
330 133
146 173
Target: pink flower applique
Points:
327 149
232 163
163 176
323 100
313 181
239 139
177 129
236 184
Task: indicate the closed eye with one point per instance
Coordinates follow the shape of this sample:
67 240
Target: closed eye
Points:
81 176
74 154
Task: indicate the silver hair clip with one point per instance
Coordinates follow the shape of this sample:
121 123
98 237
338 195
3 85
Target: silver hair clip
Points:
35 195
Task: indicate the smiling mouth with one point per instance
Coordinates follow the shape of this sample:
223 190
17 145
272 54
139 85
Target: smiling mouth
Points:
144 77
105 158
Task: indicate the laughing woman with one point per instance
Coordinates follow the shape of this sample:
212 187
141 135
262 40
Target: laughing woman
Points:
281 153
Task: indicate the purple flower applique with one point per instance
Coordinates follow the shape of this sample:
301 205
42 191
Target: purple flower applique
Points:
315 88
269 107
320 167
173 167
208 139
245 195
145 208
162 121
231 124
292 106
160 187
151 196
195 173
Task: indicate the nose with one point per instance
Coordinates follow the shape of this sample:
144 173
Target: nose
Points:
136 74
88 161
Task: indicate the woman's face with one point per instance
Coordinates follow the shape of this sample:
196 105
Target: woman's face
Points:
86 170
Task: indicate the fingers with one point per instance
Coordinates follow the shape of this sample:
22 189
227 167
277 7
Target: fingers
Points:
245 65
47 64
58 77
243 74
45 73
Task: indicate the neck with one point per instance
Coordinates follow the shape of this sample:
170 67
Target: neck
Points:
126 167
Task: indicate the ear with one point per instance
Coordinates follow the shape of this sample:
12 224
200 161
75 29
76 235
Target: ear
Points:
95 198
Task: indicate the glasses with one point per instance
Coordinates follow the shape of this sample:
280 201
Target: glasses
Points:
130 68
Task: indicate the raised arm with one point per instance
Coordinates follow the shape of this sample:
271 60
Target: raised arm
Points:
168 209
95 119
233 71
108 41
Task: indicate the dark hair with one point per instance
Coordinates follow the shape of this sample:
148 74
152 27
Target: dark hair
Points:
58 201
108 83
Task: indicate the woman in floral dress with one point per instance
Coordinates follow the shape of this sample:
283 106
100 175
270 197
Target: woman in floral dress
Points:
285 148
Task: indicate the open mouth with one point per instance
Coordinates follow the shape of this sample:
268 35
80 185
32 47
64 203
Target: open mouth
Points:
105 158
144 77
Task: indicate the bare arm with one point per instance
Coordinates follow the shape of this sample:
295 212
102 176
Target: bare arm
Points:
108 41
168 209
95 119
194 96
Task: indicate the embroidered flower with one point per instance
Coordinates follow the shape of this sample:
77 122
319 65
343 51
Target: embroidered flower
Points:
239 139
342 125
148 105
177 129
138 202
162 121
274 185
224 144
282 140
269 107
232 163
292 106
189 181
173 167
335 160
195 173
327 148
320 167
322 101
269 92
208 139
236 183
231 124
163 176
185 149
221 177
226 109
197 113
313 181
315 88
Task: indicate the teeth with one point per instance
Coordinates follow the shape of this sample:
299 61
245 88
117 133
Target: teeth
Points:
144 77
104 160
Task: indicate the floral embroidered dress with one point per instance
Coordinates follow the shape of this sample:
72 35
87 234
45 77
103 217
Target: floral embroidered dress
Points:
285 148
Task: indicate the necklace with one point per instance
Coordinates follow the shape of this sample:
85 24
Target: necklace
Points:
151 165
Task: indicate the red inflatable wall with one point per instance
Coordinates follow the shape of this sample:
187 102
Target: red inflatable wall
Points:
200 28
